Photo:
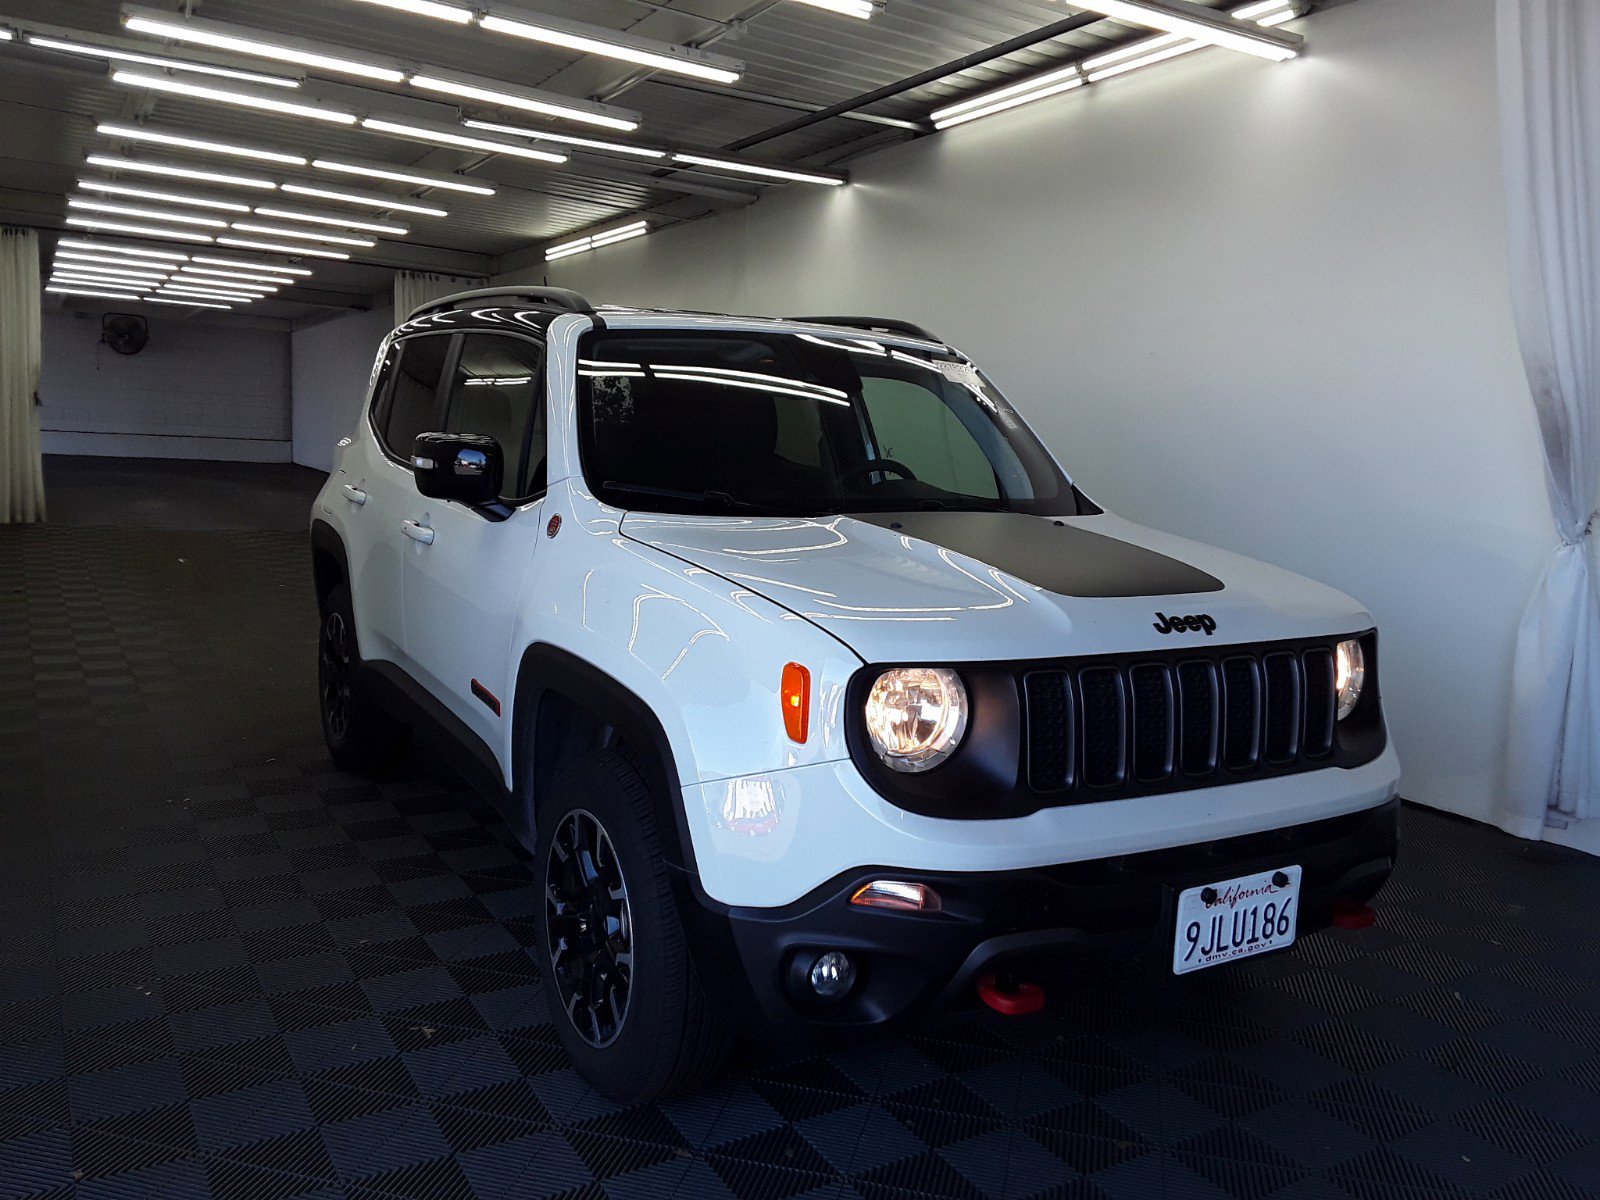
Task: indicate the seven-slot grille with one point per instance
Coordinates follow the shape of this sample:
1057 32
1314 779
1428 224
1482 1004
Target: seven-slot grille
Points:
1105 729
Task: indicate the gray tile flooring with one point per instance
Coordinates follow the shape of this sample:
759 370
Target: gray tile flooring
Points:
229 970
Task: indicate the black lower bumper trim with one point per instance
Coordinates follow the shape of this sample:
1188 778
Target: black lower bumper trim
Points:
1070 924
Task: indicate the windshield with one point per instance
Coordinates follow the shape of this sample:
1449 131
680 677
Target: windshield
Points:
800 425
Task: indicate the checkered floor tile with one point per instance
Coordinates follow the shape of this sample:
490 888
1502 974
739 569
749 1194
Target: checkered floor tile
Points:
229 970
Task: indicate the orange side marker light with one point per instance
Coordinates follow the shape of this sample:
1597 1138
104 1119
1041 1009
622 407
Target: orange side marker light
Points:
796 694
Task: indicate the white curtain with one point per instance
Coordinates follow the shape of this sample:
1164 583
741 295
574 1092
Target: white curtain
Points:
21 473
1550 109
412 288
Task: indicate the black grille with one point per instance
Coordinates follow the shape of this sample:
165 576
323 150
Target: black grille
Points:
1139 726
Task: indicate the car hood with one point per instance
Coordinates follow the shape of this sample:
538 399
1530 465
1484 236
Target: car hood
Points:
960 586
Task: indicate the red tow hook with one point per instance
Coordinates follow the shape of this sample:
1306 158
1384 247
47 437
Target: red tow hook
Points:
1352 914
1010 998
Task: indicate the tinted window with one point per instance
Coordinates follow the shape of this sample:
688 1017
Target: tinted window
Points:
412 405
696 421
498 391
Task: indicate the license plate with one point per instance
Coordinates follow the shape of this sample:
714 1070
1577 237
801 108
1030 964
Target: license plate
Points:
1222 922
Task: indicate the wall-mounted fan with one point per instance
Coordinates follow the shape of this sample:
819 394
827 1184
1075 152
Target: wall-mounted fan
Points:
124 332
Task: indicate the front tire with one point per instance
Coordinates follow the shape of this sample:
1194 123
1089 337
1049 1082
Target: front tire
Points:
361 736
627 1004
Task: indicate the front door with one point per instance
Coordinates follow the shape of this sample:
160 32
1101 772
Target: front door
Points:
463 583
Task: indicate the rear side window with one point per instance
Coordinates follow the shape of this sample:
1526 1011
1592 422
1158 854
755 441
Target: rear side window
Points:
497 390
412 404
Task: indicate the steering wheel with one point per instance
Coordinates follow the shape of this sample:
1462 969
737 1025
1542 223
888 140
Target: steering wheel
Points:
877 464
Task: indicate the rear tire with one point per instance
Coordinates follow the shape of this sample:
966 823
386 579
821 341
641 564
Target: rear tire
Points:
623 993
361 735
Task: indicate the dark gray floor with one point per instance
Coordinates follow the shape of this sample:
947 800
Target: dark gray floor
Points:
229 970
164 493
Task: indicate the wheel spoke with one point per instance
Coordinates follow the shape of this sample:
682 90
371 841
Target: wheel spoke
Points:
589 927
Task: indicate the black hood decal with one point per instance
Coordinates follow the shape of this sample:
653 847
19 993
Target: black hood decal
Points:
1065 559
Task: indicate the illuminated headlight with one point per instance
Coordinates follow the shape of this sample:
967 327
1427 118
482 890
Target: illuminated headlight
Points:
916 717
1350 674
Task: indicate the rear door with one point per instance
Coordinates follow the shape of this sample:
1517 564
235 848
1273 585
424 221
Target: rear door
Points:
381 490
463 586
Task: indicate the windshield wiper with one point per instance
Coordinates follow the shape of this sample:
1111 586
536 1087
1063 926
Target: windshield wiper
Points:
707 497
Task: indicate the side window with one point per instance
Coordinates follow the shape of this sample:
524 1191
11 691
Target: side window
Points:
916 427
412 402
498 391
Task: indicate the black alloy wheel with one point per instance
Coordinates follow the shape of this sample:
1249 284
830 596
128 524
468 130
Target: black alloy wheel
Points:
590 928
333 675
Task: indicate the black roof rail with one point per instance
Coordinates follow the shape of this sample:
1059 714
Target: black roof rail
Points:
554 296
885 324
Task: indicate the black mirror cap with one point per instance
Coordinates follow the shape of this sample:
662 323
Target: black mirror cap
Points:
458 466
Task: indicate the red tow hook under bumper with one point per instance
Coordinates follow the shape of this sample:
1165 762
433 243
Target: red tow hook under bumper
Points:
1351 914
1013 999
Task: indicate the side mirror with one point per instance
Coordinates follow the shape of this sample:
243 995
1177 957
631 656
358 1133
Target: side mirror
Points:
458 466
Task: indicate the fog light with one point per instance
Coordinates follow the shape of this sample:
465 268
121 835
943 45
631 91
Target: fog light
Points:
897 896
832 975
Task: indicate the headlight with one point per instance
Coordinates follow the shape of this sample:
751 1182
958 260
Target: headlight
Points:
1350 673
916 717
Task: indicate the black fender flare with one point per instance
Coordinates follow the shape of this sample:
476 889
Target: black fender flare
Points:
545 668
325 539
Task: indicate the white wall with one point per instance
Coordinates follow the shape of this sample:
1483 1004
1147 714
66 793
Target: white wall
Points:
332 365
1262 305
197 390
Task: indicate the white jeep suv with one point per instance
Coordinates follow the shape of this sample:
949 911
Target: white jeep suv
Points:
820 694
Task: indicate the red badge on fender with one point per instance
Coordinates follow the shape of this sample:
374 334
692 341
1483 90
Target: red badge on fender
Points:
553 527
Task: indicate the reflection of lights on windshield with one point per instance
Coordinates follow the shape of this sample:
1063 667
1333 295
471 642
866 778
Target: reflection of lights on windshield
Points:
721 381
500 381
855 346
596 369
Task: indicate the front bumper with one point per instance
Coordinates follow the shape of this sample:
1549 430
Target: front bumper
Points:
1107 918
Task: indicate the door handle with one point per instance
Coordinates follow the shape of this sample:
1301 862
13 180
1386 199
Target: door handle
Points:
417 532
354 494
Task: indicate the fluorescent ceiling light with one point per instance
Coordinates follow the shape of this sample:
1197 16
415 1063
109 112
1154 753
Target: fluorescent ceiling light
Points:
248 276
548 104
276 248
1050 84
1204 25
160 83
453 183
566 139
250 266
116 248
155 60
223 36
113 162
442 137
177 293
140 133
180 284
147 214
176 235
331 239
369 199
765 172
848 8
63 290
294 214
427 8
595 240
185 303
110 281
110 264
588 39
78 267
207 281
122 189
